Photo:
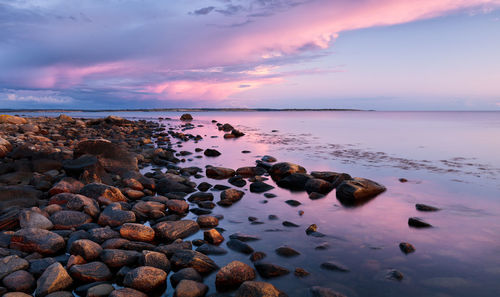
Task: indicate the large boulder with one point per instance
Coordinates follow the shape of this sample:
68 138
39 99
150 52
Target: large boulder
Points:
171 231
113 157
21 196
358 190
284 169
37 240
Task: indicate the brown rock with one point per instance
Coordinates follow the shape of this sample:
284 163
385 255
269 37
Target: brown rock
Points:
69 219
189 288
54 278
189 258
37 240
258 289
114 216
219 172
34 219
127 292
66 185
96 190
145 278
213 236
177 229
207 221
91 272
116 258
113 157
88 249
20 281
137 232
233 275
177 206
155 259
11 264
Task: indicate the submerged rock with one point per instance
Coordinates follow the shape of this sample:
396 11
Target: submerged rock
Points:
268 270
418 223
423 207
406 247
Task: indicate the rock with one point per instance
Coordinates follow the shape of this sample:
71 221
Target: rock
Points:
38 266
301 272
177 206
315 196
37 240
213 236
244 237
317 291
171 231
292 202
127 292
231 195
11 264
168 185
331 265
219 172
289 224
20 196
185 273
19 281
172 248
81 203
211 153
207 221
239 246
100 235
256 256
237 181
96 190
188 258
101 290
33 219
423 207
406 247
226 127
208 249
88 249
5 147
116 258
201 196
269 159
268 270
189 288
260 187
318 185
155 259
91 272
294 181
286 251
204 186
145 278
87 169
284 169
137 232
69 219
113 157
258 289
54 278
418 223
154 210
250 171
114 216
186 117
357 191
393 274
10 119
233 275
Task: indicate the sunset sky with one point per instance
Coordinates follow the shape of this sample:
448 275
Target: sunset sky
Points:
376 54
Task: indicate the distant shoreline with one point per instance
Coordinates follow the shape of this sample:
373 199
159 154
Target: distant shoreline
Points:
181 109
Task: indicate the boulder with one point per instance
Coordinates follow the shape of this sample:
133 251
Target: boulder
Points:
185 273
284 169
114 216
316 185
295 181
186 117
207 221
233 275
269 270
96 190
34 219
19 281
219 172
10 119
260 187
169 185
69 219
213 236
358 190
85 248
11 264
116 258
155 259
66 185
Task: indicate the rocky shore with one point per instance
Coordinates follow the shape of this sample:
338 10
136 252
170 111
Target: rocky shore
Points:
96 207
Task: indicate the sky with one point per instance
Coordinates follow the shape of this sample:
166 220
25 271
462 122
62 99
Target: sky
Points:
361 54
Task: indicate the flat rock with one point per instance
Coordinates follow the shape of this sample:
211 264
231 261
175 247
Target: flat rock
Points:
177 229
334 266
418 223
424 207
91 272
286 251
209 249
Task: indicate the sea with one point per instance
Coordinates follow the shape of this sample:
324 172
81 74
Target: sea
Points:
450 160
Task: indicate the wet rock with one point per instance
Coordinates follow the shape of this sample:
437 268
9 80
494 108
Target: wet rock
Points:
33 219
220 187
172 248
101 290
294 181
244 237
189 288
113 157
116 258
293 203
239 246
324 292
219 172
55 278
418 223
258 289
406 247
286 251
200 211
185 273
289 224
10 264
211 153
233 275
357 191
301 272
37 240
88 249
137 232
20 196
268 270
186 117
315 196
213 236
19 281
260 187
201 196
155 259
284 169
204 186
177 206
256 256
209 249
231 195
393 274
114 216
170 185
90 272
207 221
250 171
318 185
96 190
269 159
174 230
69 219
334 266
145 278
188 258
127 292
403 180
237 181
154 210
423 207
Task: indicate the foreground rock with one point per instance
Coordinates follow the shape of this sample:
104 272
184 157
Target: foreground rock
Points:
113 157
171 231
11 264
145 278
91 272
358 190
37 240
190 288
196 260
284 169
54 278
233 275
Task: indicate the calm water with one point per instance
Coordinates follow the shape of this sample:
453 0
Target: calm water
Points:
451 160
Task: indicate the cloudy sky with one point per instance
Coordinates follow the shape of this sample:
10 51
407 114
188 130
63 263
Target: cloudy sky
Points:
368 54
